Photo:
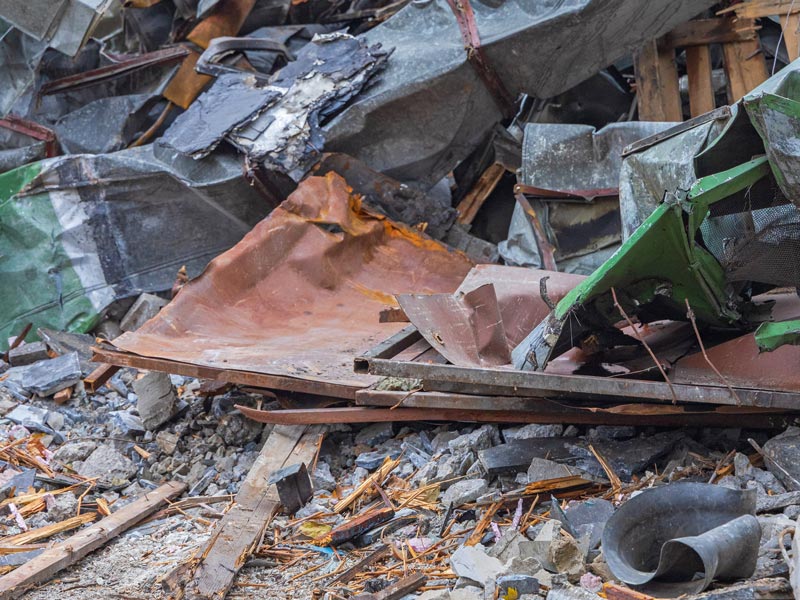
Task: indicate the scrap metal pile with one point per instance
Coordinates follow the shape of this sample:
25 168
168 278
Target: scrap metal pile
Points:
383 229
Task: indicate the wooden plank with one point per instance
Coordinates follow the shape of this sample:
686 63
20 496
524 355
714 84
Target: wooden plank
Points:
744 66
657 83
212 572
97 378
756 9
262 380
791 37
71 550
473 200
701 32
701 89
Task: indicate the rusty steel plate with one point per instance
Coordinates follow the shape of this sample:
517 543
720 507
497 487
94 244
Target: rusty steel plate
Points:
300 295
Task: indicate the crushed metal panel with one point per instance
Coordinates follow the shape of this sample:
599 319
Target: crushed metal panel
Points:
429 109
276 120
301 294
772 336
661 539
654 271
742 364
81 231
488 315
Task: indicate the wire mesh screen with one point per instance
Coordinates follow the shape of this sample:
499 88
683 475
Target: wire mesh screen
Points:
756 236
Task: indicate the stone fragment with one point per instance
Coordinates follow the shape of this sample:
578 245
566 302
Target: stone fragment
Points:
55 420
542 468
441 440
108 330
526 432
784 450
512 544
27 354
64 342
323 478
237 430
466 593
371 460
167 442
63 506
612 432
374 434
129 424
74 451
452 466
569 592
546 537
157 399
464 491
111 466
521 584
46 377
479 439
434 595
473 563
591 582
29 416
145 308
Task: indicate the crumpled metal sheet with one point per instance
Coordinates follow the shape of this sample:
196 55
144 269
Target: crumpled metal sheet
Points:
277 121
301 294
396 200
488 315
660 539
585 163
78 232
429 109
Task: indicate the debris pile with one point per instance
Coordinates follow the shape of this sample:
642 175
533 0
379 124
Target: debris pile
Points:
375 300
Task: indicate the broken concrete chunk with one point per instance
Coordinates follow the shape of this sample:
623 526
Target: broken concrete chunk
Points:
474 564
46 377
374 434
129 424
109 465
521 584
566 556
145 308
156 399
517 455
74 451
63 506
541 469
546 537
27 354
464 491
512 545
479 439
441 440
784 452
532 430
167 442
28 416
323 478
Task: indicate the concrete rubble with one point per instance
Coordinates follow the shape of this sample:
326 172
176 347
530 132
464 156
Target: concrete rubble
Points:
372 300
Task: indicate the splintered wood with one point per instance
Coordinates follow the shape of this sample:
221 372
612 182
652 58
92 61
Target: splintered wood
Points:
211 572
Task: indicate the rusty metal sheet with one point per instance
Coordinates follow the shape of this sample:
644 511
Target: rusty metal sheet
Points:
301 294
742 366
488 315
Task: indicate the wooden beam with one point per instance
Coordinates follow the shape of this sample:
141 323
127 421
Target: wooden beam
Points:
701 32
744 66
211 573
755 9
657 83
74 548
473 200
791 37
701 88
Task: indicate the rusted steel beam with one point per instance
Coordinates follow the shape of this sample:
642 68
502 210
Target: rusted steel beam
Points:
97 378
33 130
596 417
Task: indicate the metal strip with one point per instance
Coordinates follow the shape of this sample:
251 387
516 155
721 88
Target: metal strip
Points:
33 130
465 17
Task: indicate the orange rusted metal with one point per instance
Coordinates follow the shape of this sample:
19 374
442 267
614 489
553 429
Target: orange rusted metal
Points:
301 294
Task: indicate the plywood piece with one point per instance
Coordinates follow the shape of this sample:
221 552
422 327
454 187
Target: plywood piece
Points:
701 89
657 83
